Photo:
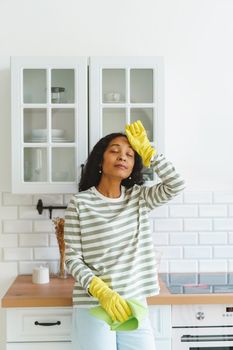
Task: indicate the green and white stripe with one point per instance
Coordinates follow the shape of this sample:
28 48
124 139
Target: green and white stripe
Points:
111 238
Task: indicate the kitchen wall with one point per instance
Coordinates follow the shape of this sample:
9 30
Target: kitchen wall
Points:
194 231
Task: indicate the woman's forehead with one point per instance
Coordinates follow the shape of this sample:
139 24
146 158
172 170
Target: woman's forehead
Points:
120 140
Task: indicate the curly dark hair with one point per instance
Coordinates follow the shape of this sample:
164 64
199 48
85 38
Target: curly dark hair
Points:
90 174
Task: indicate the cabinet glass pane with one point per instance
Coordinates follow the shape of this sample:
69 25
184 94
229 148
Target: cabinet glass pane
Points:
63 164
35 164
34 86
113 85
113 120
34 125
63 125
62 86
141 85
146 117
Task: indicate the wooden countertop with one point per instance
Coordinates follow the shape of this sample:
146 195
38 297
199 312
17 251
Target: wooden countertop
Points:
58 293
24 293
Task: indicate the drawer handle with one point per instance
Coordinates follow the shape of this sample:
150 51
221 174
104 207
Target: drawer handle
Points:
48 323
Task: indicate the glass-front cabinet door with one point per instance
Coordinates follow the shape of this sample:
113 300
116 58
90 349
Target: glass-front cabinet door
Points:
49 123
124 90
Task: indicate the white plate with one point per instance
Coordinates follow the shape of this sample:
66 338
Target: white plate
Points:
36 140
53 140
112 101
61 140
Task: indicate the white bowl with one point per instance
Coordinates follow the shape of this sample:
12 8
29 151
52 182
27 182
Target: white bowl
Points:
57 132
39 133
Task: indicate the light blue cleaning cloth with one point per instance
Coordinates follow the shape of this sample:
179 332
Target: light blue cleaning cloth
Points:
139 311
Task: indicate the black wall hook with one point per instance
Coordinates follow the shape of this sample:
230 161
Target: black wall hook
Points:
40 207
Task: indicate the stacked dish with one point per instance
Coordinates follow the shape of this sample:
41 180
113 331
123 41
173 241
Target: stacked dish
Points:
41 135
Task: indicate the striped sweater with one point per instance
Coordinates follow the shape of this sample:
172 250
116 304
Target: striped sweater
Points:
110 237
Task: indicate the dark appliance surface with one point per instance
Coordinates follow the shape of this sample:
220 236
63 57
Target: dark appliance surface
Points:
198 283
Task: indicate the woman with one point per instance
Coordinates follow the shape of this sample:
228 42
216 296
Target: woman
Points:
109 249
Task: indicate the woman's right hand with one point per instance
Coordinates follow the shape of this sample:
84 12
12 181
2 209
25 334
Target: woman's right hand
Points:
138 139
116 307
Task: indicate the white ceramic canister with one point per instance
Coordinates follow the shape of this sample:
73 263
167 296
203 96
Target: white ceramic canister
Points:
40 275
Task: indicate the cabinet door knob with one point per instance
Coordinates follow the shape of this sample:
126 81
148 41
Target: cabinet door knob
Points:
200 315
47 323
82 169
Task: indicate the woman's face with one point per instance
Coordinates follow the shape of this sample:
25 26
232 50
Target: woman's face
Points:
118 159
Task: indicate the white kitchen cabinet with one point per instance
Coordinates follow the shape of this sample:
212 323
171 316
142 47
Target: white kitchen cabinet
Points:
49 123
124 90
34 328
160 316
56 99
39 346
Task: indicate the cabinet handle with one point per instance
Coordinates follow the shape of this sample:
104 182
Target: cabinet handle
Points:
82 169
48 323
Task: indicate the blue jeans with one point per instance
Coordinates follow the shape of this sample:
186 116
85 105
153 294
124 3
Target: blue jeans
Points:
89 333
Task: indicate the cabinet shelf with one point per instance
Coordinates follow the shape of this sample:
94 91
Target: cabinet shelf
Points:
49 105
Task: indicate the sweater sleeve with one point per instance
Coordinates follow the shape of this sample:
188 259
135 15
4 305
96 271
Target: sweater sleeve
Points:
171 185
73 247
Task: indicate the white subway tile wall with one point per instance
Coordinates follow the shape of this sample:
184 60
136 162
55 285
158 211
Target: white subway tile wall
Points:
194 232
231 210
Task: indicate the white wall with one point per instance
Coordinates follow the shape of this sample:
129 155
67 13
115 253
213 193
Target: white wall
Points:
195 37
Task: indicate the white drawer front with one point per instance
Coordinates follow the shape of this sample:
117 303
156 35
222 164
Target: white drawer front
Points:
160 316
39 324
39 346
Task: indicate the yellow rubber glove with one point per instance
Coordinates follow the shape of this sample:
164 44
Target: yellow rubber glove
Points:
111 301
138 139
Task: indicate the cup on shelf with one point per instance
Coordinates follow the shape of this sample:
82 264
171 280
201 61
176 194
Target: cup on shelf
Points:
57 94
112 97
